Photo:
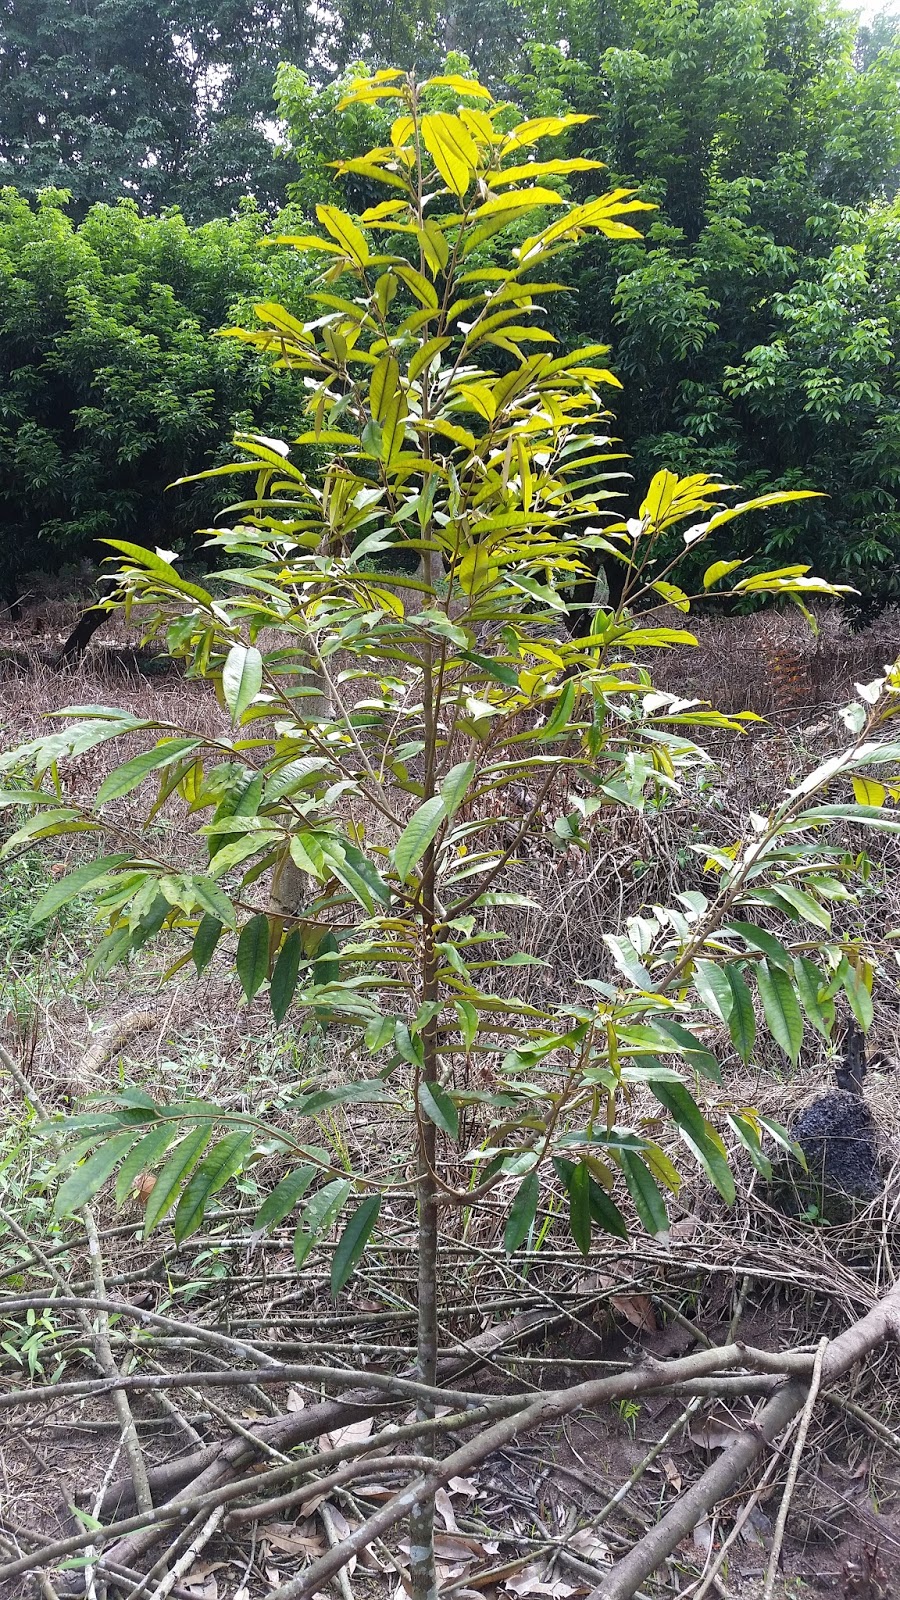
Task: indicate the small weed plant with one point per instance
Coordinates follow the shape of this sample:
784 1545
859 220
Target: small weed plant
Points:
406 717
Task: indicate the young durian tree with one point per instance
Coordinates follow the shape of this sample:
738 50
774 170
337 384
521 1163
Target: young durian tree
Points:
387 640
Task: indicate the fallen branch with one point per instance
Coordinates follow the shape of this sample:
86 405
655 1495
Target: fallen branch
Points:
525 1414
723 1475
784 1508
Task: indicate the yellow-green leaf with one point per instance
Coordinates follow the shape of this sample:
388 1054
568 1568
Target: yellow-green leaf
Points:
452 149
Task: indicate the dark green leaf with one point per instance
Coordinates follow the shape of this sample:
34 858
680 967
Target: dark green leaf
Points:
284 977
580 1207
326 967
648 1201
781 1008
742 1021
224 1161
521 1213
206 938
695 1052
353 1241
176 1172
437 1105
281 1202
84 1182
252 958
758 939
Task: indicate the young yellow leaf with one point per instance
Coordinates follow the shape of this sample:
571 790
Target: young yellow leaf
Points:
868 792
345 231
450 144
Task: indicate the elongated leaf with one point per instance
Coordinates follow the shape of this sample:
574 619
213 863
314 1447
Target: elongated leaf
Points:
418 834
522 1213
698 1135
713 988
749 1138
455 785
213 899
224 1161
284 977
176 1172
695 1052
741 1022
281 1202
143 1157
858 997
127 777
353 1241
439 1108
759 939
648 1202
451 147
580 1207
811 985
206 938
83 1183
318 1215
780 1006
241 678
76 883
560 717
252 960
468 1021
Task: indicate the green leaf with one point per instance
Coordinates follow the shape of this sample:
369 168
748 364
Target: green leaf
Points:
252 959
439 1108
326 967
648 1201
206 938
143 1157
697 1134
75 884
468 1022
741 1022
213 899
455 785
241 678
558 721
780 1006
695 1052
281 1202
858 997
224 1161
758 939
811 984
749 1138
84 1182
522 1213
176 1171
580 1207
418 834
713 988
127 777
318 1215
353 1241
284 977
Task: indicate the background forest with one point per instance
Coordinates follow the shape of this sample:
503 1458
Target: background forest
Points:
146 148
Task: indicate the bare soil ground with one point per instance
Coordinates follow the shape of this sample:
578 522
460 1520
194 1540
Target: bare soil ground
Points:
538 1518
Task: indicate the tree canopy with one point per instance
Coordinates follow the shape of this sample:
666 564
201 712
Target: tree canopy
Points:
755 325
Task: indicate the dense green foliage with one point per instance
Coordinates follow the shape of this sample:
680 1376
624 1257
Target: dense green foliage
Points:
756 323
110 384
